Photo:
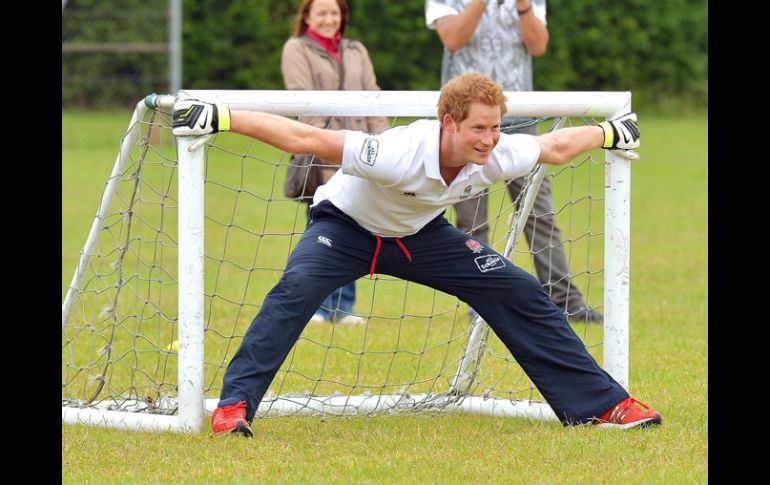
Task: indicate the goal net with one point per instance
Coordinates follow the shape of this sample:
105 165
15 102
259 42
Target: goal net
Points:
186 244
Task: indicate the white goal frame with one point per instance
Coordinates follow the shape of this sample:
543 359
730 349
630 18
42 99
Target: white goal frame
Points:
193 405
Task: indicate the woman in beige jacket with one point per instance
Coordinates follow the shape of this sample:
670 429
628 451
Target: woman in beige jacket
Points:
317 57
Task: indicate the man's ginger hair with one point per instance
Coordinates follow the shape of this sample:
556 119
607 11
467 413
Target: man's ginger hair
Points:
458 94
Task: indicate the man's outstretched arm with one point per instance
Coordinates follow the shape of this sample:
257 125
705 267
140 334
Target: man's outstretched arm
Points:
289 135
197 118
561 146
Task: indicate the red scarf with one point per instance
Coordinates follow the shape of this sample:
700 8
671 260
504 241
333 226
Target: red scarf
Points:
331 45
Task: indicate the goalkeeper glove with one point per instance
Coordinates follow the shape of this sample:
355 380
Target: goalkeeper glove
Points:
622 135
196 118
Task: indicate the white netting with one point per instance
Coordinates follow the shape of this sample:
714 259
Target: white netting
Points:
118 341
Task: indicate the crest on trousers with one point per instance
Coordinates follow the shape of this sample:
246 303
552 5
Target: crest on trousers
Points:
474 245
489 262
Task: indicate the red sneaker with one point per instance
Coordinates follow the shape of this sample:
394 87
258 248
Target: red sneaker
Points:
625 415
231 419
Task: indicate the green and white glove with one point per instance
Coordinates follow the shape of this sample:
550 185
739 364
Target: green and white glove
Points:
622 135
197 118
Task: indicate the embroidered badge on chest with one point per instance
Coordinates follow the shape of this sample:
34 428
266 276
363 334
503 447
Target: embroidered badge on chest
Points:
489 262
369 151
474 245
467 192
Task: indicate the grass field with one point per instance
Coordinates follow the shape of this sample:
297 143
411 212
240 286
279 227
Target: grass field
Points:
668 367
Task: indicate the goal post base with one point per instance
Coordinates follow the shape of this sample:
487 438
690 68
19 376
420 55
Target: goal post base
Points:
317 406
126 421
397 404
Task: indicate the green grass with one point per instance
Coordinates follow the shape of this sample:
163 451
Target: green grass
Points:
668 365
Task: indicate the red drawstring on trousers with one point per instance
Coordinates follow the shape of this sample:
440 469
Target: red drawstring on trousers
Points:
374 258
403 248
377 253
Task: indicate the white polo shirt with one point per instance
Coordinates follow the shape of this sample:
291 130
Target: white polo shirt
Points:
390 183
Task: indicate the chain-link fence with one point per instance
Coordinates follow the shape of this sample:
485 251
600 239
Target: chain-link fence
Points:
116 51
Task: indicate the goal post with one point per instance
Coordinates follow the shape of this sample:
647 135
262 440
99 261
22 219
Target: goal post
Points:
147 292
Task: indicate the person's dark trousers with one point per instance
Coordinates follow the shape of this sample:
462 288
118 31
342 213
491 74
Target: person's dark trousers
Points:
340 302
335 250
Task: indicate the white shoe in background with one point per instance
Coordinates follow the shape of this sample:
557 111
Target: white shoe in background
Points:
318 318
351 320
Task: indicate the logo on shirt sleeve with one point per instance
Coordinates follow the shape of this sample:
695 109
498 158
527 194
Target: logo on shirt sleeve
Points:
369 151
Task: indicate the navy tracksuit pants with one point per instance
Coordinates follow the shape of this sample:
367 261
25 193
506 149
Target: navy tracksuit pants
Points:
335 250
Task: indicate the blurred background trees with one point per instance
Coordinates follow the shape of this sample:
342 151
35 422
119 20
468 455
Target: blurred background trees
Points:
657 50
